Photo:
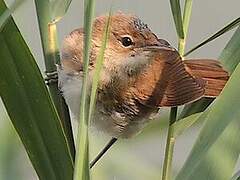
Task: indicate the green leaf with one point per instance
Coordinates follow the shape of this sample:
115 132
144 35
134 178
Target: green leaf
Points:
45 14
195 107
177 16
230 56
30 108
82 157
217 148
181 125
230 59
99 65
58 8
186 20
227 28
187 15
236 176
182 29
8 11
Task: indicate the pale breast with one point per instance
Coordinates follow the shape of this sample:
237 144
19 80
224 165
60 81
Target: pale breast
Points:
117 120
117 123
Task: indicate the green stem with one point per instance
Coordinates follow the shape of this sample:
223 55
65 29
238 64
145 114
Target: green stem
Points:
81 171
51 57
167 165
181 46
186 16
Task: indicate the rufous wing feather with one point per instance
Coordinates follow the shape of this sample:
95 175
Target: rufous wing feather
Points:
211 71
168 82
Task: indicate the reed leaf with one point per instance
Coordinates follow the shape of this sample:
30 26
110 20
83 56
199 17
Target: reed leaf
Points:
8 12
47 12
187 16
58 8
186 20
82 156
217 148
219 136
181 125
182 30
30 108
177 16
236 176
230 59
225 29
230 56
99 65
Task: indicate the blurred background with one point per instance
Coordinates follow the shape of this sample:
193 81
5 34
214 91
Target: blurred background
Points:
142 156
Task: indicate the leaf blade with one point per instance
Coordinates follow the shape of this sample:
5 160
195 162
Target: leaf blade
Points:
48 32
229 59
58 9
230 54
221 127
181 125
30 108
81 171
177 16
225 29
8 11
99 64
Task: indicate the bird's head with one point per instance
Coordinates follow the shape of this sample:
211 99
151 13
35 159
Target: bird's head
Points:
129 49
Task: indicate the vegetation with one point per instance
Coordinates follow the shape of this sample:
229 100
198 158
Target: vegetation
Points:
42 121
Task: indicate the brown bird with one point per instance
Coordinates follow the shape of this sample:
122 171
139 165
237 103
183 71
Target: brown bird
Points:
141 73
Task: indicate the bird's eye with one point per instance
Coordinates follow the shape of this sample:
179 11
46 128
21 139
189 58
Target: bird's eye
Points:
126 41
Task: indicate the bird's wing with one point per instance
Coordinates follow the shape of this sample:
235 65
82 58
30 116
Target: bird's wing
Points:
167 82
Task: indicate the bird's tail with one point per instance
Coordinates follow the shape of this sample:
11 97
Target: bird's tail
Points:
211 71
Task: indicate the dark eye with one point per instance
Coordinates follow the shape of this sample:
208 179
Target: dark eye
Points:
126 41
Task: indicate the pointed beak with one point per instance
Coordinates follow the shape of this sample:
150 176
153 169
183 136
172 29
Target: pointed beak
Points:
160 45
159 48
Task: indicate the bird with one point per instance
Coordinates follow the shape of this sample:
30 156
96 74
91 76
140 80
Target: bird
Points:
141 73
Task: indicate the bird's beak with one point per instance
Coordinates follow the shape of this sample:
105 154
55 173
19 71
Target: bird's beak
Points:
159 48
159 45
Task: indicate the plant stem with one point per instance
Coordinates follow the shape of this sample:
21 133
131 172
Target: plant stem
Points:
103 151
81 171
167 165
181 46
51 57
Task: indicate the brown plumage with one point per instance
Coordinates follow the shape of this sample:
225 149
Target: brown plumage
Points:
141 73
211 72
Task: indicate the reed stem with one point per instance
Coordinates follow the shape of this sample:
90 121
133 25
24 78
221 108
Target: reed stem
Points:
167 165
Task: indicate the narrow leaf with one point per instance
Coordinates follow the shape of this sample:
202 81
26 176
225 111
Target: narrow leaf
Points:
48 32
230 56
217 148
177 16
230 59
58 8
181 125
236 176
30 108
195 107
186 20
82 157
8 12
227 28
99 65
187 15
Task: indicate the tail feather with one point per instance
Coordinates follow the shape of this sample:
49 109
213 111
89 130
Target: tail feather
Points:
211 71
